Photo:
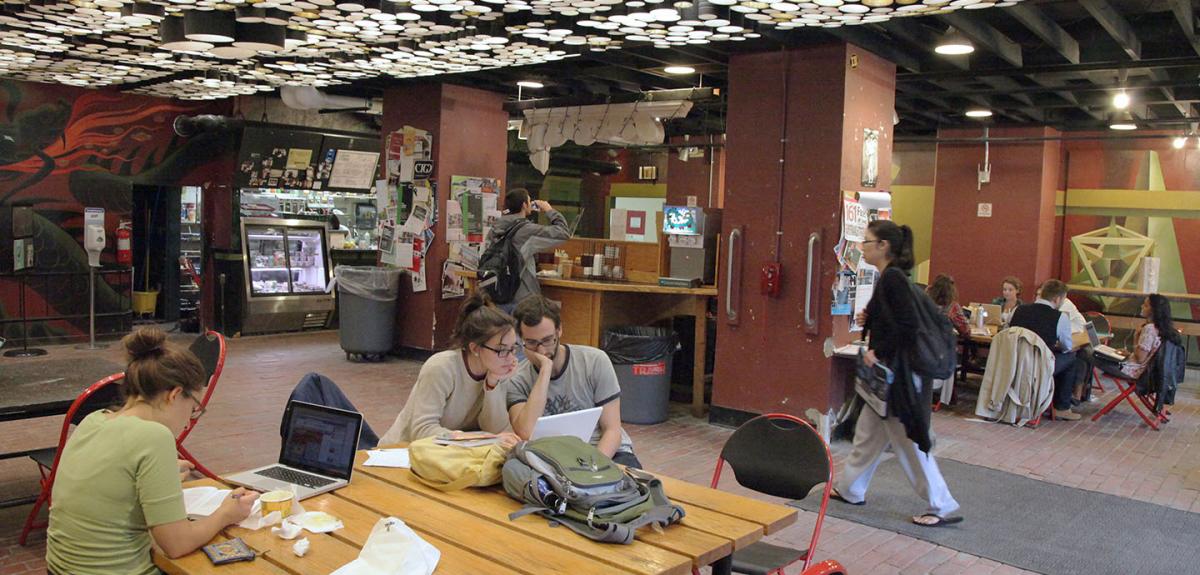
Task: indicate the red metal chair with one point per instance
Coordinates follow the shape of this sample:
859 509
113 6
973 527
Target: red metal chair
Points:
1127 388
99 395
780 455
209 348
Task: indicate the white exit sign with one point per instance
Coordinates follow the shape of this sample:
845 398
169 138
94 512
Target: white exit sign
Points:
984 211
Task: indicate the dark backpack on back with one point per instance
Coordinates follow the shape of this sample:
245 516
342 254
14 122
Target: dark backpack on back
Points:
500 266
933 350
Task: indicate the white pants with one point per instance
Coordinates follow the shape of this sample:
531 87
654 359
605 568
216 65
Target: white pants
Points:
871 436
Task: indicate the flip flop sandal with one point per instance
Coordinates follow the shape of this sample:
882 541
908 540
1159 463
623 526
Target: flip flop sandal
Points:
941 521
838 497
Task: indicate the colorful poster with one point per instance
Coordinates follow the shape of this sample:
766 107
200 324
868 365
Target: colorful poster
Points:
453 284
863 289
854 220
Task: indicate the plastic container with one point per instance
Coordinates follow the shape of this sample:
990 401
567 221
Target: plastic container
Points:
145 302
641 357
367 310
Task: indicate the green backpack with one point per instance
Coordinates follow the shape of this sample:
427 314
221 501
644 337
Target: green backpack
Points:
575 485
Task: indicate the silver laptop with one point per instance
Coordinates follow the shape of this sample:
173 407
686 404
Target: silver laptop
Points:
317 455
1100 348
581 424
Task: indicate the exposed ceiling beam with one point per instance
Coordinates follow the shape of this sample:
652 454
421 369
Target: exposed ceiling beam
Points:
950 90
1185 14
986 36
1169 93
1047 29
919 36
1007 83
1116 25
881 47
1160 63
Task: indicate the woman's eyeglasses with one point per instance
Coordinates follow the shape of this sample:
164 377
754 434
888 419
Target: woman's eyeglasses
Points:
199 409
502 353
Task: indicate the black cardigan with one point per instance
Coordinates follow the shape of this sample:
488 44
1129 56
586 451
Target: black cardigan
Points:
892 324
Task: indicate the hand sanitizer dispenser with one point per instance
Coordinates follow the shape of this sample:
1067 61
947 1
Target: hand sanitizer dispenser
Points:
93 242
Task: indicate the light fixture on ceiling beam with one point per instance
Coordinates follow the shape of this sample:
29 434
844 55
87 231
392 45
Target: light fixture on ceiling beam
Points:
534 84
1122 121
1121 100
679 70
170 33
979 113
1179 143
953 43
212 26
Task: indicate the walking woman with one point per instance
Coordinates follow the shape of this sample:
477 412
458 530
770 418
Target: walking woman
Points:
890 321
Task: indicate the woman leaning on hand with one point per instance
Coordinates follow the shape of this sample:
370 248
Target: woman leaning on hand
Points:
117 489
890 322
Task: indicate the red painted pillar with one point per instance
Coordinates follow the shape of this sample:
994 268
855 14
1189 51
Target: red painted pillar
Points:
469 139
1019 237
819 99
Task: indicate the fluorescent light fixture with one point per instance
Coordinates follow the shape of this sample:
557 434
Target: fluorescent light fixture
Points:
530 84
1121 100
1179 143
1122 121
679 70
979 113
954 44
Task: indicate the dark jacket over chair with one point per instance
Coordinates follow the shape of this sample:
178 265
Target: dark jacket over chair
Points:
320 390
1040 319
1164 374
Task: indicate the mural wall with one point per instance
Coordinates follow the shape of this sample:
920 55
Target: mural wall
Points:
62 149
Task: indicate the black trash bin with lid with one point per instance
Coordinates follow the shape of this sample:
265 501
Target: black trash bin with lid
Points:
367 310
642 359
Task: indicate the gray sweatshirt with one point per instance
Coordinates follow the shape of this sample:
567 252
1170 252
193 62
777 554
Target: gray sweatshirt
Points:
529 240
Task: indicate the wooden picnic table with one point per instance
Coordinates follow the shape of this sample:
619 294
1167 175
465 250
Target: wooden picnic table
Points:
472 530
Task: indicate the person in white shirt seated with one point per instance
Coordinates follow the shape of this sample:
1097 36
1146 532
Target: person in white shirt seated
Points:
559 378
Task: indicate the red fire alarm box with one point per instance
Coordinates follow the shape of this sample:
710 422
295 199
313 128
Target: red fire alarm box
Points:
772 279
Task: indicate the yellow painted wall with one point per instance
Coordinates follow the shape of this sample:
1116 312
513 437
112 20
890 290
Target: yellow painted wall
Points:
913 206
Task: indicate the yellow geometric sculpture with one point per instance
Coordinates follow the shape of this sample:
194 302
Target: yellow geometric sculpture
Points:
1100 251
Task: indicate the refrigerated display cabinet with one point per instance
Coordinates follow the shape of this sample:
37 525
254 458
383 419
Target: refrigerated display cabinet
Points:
287 275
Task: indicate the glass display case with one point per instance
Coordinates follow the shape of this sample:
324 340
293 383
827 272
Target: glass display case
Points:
287 275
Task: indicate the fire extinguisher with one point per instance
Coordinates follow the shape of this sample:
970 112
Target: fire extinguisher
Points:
124 235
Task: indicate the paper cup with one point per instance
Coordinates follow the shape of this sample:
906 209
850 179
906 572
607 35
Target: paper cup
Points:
280 501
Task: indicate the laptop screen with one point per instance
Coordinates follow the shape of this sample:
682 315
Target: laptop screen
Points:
1093 337
320 439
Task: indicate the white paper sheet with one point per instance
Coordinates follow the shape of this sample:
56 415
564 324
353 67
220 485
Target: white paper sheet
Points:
203 501
387 458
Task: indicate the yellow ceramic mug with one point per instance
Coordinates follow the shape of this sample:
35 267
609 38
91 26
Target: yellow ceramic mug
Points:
280 501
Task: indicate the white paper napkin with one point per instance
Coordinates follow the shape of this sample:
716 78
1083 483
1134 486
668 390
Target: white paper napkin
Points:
387 458
393 548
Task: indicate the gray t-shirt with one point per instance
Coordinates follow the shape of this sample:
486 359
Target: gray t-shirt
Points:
588 380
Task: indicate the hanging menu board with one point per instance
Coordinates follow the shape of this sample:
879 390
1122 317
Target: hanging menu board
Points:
353 169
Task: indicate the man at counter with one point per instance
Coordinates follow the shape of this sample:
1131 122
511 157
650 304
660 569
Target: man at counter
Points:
529 238
581 377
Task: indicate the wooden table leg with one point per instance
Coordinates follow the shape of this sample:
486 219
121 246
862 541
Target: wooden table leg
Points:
701 344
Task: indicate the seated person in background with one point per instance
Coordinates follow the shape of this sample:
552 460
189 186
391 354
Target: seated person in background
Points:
1011 298
118 481
1157 312
1083 355
1054 327
461 389
945 295
558 378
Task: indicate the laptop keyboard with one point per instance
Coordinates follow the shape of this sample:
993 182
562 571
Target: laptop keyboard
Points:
297 477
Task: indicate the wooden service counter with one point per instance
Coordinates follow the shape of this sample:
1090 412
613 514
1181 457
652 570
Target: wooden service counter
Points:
590 307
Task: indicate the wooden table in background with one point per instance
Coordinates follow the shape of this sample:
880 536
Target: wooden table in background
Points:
590 307
472 530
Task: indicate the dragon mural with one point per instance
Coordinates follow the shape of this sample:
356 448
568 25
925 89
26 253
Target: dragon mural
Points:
62 149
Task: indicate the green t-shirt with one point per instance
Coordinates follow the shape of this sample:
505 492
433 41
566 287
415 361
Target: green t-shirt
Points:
117 478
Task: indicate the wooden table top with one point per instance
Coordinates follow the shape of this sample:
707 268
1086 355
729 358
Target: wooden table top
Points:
617 286
472 530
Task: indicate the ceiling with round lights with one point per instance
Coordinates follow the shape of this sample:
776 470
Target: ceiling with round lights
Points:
210 49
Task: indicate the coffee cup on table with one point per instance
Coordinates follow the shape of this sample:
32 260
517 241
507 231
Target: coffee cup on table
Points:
279 500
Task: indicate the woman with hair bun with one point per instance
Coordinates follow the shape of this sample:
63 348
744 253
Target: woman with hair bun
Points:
890 321
118 486
460 389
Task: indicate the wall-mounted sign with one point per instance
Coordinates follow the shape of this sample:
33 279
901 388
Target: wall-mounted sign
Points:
984 210
422 169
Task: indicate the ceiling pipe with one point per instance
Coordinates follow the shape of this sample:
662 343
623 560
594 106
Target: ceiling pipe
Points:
1026 139
188 126
682 94
310 98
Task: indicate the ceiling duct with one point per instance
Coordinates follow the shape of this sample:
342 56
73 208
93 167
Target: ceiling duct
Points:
188 126
310 98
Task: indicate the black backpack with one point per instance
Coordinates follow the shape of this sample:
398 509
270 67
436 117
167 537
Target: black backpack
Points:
500 266
933 350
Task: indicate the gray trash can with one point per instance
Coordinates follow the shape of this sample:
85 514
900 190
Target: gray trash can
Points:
367 310
642 359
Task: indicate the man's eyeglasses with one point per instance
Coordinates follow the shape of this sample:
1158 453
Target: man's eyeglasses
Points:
549 342
502 353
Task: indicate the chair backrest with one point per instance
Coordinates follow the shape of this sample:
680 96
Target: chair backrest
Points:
209 348
100 395
1103 328
778 454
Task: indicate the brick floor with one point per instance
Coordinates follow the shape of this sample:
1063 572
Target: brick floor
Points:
1117 455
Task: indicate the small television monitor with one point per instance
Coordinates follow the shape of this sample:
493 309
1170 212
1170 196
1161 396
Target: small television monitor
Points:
683 220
